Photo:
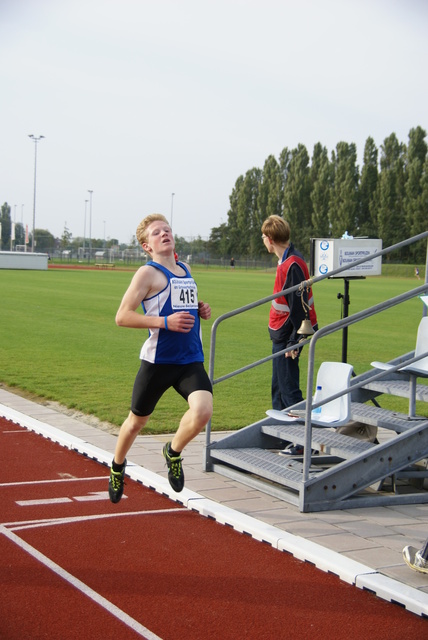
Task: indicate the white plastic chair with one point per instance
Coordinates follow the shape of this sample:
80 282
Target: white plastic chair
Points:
416 369
332 377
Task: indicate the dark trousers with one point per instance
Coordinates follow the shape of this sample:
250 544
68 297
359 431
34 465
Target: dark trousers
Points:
285 379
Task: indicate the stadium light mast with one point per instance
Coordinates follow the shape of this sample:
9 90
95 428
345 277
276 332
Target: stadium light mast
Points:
36 140
84 229
90 191
172 206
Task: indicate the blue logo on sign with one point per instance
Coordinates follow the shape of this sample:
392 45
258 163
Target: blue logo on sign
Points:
324 245
323 269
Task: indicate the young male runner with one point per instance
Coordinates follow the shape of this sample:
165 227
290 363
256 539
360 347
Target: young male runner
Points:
172 356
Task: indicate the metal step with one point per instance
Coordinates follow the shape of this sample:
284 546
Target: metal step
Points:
378 417
399 388
324 440
264 463
347 472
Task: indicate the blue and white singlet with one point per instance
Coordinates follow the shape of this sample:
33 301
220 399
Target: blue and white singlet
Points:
173 347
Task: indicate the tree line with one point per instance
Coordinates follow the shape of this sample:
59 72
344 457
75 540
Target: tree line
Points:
323 196
327 195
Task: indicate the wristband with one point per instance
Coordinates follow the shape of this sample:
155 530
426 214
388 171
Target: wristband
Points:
165 319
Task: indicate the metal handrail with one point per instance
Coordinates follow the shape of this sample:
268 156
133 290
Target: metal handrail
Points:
332 328
335 326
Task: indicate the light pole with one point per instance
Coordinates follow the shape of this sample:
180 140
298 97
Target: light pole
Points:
35 139
12 229
22 224
172 206
84 229
90 191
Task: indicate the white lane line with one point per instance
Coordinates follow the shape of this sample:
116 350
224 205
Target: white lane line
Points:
36 482
34 524
81 586
17 431
92 496
41 502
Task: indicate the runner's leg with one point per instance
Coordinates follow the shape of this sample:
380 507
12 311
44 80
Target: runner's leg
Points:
127 434
194 420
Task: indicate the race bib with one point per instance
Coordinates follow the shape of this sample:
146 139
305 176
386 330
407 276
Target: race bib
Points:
184 294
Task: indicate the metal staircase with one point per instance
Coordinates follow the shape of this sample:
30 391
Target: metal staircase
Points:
336 471
344 473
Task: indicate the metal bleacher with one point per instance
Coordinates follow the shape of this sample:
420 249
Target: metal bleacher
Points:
336 471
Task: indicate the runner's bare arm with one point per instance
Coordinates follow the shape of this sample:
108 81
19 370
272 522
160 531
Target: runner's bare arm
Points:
127 314
148 282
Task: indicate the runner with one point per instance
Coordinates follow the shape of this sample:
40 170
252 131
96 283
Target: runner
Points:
172 356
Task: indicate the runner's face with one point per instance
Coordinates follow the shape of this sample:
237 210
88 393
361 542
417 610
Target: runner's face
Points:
160 238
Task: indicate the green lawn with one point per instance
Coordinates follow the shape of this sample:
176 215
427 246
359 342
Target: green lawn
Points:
59 341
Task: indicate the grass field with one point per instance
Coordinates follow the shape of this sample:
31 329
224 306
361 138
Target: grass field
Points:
59 341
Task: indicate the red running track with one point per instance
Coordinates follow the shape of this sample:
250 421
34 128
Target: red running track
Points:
73 565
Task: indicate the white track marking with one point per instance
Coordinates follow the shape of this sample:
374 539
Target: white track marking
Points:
81 586
33 524
36 482
42 502
16 431
93 496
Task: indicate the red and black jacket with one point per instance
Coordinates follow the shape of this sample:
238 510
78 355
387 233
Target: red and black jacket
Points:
287 312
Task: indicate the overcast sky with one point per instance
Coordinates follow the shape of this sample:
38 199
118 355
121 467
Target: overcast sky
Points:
139 99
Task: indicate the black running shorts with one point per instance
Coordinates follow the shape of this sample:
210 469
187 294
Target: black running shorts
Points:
153 380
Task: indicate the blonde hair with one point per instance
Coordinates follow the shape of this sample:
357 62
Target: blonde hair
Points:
277 229
141 232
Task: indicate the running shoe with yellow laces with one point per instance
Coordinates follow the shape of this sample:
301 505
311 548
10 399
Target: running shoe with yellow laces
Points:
415 560
115 484
175 470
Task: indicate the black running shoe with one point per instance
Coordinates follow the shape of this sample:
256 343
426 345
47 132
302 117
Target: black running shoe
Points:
292 450
175 470
296 450
115 484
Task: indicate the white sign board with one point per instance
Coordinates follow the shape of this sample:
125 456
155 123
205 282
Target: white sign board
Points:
331 253
21 260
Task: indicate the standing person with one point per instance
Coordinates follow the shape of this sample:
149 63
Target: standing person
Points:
286 312
417 560
172 356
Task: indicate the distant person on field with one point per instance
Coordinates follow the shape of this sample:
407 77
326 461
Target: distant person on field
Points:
286 312
172 356
232 263
417 273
